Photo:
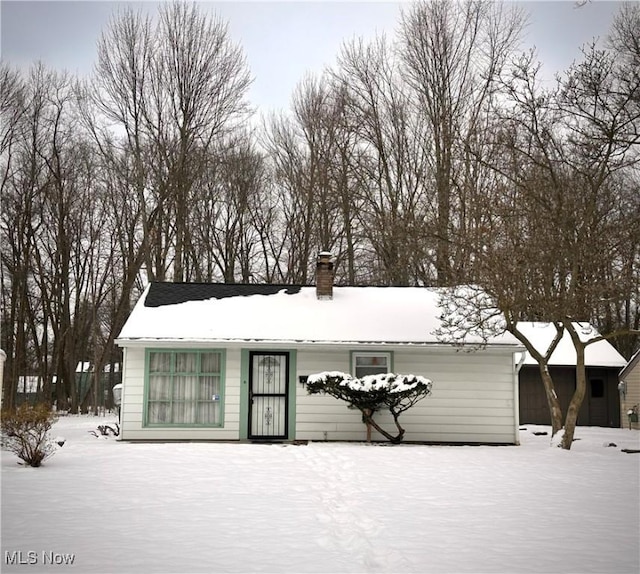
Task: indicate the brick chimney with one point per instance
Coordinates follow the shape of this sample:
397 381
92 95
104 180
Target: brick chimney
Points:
324 276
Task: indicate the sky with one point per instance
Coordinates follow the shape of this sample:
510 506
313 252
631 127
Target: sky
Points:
282 40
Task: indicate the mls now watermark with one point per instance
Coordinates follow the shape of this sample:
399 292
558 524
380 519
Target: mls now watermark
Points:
31 557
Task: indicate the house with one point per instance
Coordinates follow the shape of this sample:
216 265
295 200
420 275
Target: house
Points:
229 362
109 377
630 392
601 404
30 387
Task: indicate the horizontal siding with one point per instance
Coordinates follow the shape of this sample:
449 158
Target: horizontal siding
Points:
473 398
631 398
133 404
319 413
186 434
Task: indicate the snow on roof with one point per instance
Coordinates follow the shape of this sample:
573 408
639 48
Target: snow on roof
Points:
600 354
633 361
83 367
214 312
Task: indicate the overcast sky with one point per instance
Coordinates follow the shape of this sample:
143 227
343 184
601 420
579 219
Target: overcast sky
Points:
282 40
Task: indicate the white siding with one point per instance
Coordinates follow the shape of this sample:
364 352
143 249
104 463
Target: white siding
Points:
473 398
133 398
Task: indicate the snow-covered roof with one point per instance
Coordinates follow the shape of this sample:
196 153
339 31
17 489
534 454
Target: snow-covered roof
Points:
633 361
83 367
599 354
217 312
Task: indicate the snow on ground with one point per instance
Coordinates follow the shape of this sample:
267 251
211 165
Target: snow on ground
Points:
324 507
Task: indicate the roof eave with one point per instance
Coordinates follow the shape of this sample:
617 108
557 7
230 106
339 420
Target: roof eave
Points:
146 342
633 361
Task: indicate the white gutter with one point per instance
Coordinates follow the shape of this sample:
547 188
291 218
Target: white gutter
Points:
289 343
124 370
516 394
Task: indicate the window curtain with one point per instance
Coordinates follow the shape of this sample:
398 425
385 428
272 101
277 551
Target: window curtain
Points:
187 394
185 384
209 393
159 388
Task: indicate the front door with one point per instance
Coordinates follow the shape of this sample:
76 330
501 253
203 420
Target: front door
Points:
268 395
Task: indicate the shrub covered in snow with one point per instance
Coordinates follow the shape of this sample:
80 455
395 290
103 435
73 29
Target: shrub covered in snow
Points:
373 393
25 432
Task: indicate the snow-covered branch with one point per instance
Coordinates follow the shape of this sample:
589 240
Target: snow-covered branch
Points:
470 317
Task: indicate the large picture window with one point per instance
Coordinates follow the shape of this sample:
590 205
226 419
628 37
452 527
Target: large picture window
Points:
370 364
184 388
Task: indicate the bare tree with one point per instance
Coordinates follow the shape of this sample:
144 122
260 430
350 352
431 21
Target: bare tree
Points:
163 94
49 190
454 54
176 89
563 220
223 241
389 166
624 41
200 79
18 191
311 151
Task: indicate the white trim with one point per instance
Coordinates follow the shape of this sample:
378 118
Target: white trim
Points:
516 397
289 344
122 394
356 354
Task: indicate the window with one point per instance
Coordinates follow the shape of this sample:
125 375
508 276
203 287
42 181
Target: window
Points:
597 388
184 388
370 364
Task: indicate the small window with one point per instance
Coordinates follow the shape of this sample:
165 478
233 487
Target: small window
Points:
371 364
597 388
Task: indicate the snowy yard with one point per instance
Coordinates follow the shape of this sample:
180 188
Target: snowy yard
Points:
111 506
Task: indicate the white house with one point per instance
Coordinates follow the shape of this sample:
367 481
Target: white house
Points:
229 362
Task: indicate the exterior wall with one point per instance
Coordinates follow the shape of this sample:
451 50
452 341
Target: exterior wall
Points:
133 403
473 400
595 411
632 396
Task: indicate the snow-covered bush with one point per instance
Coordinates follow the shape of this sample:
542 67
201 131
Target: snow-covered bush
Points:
372 393
25 432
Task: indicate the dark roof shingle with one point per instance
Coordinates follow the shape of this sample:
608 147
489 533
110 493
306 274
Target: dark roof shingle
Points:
161 294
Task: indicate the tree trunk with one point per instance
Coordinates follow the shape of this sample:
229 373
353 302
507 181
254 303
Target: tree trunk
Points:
578 396
367 415
555 410
368 419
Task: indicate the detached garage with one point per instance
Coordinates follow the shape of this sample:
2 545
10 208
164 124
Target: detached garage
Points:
601 405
